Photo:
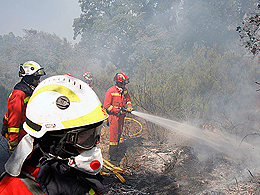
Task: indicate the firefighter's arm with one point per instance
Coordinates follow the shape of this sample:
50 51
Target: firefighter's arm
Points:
128 103
108 103
4 131
14 119
129 109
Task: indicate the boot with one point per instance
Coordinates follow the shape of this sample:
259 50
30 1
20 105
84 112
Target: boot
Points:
113 150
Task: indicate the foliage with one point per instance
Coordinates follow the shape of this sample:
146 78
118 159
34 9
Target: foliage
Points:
48 50
249 31
3 100
107 28
181 56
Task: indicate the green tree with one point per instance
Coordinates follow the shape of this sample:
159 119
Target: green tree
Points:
107 29
3 100
48 50
249 30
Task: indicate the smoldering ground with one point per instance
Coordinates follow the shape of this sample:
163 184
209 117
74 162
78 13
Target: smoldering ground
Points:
226 146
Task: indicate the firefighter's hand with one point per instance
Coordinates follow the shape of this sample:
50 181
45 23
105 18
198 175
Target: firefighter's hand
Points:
4 130
129 109
13 145
122 111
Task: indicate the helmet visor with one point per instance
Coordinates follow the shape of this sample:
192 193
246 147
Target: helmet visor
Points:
126 81
40 72
83 138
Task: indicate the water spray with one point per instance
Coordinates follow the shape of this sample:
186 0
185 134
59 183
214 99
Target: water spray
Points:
224 144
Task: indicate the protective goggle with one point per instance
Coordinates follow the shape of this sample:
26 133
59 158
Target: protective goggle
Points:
39 72
83 137
89 81
126 81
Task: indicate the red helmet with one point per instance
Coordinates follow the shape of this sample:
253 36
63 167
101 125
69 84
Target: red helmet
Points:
67 74
87 76
121 77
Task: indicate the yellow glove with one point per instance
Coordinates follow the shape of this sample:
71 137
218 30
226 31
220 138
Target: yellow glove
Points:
122 111
129 109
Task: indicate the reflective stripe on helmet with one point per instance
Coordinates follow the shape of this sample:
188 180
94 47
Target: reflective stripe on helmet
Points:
30 64
62 102
31 68
91 118
59 88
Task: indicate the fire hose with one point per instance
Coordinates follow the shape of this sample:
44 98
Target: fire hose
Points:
135 134
112 170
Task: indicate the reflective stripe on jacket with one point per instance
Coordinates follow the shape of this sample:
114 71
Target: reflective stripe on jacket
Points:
23 185
114 100
15 114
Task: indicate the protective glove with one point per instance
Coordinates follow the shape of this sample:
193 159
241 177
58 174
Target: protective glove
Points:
13 145
122 111
4 131
129 109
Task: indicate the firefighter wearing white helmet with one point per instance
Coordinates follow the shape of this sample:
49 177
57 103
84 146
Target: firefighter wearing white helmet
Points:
63 122
31 73
31 68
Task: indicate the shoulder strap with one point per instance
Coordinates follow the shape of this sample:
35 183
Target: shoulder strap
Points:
31 184
3 175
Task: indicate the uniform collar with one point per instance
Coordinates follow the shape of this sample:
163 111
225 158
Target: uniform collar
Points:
119 89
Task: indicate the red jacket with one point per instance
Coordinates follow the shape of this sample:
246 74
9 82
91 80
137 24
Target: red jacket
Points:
17 186
114 99
15 114
24 185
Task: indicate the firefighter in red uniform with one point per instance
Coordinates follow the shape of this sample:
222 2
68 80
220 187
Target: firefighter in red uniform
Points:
15 115
88 78
58 155
117 102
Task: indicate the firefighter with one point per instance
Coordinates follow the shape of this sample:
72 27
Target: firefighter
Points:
12 129
63 124
117 102
88 78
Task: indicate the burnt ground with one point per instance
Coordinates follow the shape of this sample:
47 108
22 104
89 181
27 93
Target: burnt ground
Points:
153 167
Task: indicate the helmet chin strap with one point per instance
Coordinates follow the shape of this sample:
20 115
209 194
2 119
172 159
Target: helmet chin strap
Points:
28 83
51 156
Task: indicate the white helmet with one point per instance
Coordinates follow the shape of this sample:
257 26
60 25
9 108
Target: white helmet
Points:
31 68
62 102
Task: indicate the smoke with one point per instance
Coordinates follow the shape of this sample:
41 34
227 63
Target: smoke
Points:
227 145
242 152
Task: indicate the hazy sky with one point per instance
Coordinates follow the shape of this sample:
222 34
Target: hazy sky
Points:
52 16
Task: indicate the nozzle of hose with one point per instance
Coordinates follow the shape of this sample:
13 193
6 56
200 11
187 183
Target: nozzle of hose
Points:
122 110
